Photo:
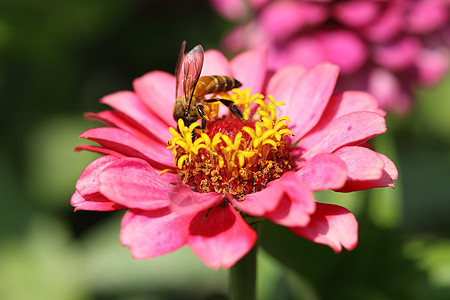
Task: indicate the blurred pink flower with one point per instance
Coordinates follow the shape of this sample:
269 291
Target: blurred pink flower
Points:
383 47
322 148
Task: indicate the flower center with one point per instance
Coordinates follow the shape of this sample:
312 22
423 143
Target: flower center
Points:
234 156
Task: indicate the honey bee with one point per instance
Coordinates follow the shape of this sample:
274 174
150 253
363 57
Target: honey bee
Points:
190 103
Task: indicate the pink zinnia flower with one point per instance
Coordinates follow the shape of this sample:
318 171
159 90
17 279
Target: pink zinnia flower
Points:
383 47
236 172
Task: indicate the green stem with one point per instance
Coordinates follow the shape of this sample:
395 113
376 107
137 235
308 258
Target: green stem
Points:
242 278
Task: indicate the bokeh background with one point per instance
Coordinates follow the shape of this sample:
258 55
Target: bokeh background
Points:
58 58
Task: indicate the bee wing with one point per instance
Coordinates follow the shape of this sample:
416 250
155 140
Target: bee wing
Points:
179 72
192 66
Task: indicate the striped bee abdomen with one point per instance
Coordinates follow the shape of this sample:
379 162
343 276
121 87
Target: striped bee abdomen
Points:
215 84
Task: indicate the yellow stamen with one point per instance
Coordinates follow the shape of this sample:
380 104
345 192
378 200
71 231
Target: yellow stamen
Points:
256 156
181 161
249 131
165 171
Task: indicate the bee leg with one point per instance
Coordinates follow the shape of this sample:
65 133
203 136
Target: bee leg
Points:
230 104
202 115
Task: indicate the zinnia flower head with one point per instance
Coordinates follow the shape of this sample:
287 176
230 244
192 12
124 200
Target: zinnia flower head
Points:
204 188
383 47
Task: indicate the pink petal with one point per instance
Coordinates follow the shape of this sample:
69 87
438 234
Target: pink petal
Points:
390 92
222 238
362 163
388 24
388 175
331 225
113 119
305 50
96 202
397 55
169 176
257 4
98 150
234 41
153 233
107 117
346 103
129 145
233 10
88 182
247 36
389 167
157 91
250 69
324 172
216 64
296 207
350 102
305 105
354 128
432 65
131 106
259 203
282 84
184 200
117 119
356 13
133 183
343 48
281 19
426 16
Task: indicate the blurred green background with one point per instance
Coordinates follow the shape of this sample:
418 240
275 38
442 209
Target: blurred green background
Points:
58 58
